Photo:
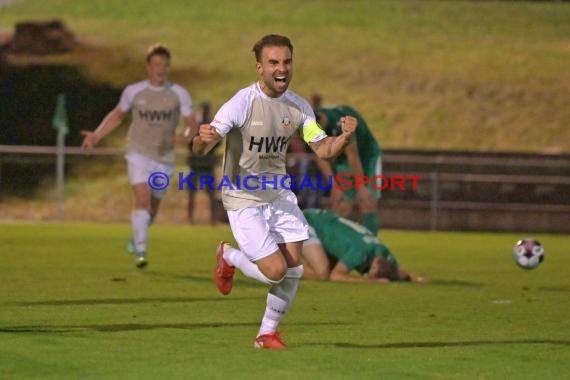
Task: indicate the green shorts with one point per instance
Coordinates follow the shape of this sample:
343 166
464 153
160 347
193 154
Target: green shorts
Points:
372 168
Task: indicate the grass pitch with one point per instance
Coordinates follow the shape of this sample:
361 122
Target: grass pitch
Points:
73 305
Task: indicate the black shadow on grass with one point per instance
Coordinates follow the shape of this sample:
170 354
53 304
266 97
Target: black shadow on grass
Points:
456 283
555 289
129 301
122 327
204 279
453 344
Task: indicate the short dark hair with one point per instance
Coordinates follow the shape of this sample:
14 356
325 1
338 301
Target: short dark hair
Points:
271 40
157 49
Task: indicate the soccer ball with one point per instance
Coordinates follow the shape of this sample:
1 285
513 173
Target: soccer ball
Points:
528 253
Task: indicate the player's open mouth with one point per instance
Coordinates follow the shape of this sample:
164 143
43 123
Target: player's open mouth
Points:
281 78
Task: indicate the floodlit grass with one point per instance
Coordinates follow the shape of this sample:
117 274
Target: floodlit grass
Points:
73 305
474 75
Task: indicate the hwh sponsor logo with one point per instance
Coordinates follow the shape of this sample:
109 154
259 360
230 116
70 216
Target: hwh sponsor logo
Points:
156 115
269 144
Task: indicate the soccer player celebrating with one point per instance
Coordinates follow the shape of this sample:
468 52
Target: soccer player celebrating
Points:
156 106
264 217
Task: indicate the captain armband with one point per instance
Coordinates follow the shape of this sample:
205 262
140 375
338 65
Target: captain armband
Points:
311 131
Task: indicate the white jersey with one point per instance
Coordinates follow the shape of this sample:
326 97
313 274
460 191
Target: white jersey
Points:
258 130
155 115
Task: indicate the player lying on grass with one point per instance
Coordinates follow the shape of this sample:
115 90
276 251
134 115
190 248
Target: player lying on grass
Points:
337 246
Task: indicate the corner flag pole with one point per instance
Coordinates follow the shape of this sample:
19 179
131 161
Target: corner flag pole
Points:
60 123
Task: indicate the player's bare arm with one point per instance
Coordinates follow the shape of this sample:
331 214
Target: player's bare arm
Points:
109 124
326 167
330 147
366 201
206 139
327 170
340 273
403 275
191 129
353 158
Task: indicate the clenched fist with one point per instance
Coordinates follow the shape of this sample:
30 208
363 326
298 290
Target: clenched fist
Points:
208 133
348 124
89 140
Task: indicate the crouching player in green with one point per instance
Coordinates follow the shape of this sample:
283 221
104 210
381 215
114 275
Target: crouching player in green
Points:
337 246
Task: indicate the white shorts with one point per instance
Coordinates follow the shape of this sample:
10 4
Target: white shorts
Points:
141 167
258 230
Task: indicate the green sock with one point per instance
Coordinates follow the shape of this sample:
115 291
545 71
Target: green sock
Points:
370 221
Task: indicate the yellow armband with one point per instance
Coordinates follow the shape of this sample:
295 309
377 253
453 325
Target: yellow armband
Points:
310 131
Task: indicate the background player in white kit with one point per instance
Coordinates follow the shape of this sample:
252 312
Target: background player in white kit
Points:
156 106
265 219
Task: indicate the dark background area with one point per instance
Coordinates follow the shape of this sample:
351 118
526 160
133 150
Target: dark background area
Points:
28 97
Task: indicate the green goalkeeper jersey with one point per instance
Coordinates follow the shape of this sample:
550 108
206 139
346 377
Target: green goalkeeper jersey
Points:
368 147
347 241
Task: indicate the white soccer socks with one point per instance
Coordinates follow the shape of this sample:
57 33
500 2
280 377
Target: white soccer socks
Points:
140 221
279 300
236 258
281 294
